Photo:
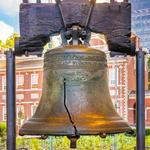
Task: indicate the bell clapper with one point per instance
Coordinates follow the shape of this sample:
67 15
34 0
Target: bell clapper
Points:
21 134
103 135
44 137
131 132
73 141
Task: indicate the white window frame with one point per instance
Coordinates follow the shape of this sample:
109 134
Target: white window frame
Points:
33 81
32 109
4 97
113 92
35 95
19 107
4 113
3 83
112 76
47 1
20 96
146 113
20 80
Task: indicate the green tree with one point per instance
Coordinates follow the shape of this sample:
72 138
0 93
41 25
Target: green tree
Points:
2 135
10 42
123 142
149 62
1 43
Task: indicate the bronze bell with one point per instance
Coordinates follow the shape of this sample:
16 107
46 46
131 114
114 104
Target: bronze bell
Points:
75 99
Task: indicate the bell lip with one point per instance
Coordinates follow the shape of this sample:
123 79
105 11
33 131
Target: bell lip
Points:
23 132
119 126
76 49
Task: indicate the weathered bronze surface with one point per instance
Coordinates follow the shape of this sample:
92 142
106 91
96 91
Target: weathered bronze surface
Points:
75 98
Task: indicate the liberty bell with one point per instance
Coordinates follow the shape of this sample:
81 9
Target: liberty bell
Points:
75 99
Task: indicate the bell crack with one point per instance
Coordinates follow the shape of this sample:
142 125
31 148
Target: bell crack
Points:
68 112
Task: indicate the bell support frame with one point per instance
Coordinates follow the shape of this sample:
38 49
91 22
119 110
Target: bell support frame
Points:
11 100
140 99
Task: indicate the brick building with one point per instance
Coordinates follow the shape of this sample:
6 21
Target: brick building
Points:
122 80
28 87
132 108
132 97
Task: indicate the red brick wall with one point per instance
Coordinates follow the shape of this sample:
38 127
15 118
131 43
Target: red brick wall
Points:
132 110
26 90
132 74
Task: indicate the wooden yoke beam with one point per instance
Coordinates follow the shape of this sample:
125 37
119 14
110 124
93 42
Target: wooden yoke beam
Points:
38 21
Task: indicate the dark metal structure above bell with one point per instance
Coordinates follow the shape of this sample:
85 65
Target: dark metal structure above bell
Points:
38 21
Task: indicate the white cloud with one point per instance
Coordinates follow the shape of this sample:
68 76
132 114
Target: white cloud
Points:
5 31
108 1
10 7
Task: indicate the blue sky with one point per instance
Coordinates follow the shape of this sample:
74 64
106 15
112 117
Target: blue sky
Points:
9 18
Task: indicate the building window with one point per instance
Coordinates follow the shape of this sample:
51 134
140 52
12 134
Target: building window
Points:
33 109
34 80
113 76
117 105
147 110
146 115
20 112
48 1
35 96
149 80
134 113
113 92
3 83
3 97
20 81
20 96
4 113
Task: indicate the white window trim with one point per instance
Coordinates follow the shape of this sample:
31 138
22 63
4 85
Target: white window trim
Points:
32 106
19 107
131 108
20 80
20 96
32 76
4 97
35 95
146 113
3 83
112 73
4 113
113 92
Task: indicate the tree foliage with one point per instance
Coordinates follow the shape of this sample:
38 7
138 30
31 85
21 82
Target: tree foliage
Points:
149 62
2 135
9 42
121 142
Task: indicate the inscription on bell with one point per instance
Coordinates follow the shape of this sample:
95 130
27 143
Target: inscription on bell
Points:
73 61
